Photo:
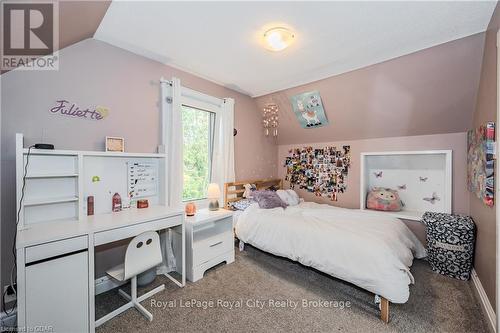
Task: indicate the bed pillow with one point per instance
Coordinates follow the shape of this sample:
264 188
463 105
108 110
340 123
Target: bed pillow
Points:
284 196
289 197
385 199
268 199
241 204
295 197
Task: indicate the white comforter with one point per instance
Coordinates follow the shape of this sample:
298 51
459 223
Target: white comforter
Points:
371 251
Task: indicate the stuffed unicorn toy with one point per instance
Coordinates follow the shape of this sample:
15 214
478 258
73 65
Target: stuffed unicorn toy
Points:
248 190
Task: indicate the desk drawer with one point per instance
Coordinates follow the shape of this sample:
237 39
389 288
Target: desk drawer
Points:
113 235
212 247
54 249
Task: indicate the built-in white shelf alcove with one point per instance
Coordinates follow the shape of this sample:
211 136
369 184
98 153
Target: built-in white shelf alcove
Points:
418 176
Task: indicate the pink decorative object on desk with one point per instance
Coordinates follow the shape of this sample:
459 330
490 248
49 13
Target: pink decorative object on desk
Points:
190 209
143 203
90 205
117 203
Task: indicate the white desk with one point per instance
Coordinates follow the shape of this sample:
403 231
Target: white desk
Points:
43 251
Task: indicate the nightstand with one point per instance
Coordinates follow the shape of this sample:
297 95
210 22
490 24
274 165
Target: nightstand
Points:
209 241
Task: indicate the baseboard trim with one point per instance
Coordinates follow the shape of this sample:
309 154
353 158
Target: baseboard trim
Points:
485 302
106 283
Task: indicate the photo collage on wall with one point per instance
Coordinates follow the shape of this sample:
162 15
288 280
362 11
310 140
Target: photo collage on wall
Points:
481 162
322 171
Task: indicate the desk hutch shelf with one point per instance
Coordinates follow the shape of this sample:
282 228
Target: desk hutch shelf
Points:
57 182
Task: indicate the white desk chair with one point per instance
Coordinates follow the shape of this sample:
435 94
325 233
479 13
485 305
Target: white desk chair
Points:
143 253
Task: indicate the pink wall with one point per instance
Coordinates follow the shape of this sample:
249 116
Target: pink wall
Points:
428 92
421 101
95 73
350 199
486 110
433 91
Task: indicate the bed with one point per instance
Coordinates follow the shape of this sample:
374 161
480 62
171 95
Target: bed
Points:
372 251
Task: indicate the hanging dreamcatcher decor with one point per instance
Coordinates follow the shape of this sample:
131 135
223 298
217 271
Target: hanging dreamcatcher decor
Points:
270 119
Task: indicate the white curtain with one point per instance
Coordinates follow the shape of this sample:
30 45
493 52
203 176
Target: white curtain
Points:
223 145
172 142
172 137
174 147
223 151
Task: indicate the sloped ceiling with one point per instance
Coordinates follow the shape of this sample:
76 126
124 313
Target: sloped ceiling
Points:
78 20
427 92
220 41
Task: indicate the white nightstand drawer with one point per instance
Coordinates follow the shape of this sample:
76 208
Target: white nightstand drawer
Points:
212 247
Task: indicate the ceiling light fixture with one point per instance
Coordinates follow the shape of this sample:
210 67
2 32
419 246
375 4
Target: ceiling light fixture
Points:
278 39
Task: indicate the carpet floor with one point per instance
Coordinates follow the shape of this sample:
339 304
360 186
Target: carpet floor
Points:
257 293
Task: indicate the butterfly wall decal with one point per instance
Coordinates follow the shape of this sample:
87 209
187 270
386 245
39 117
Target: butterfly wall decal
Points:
423 179
402 187
432 199
378 174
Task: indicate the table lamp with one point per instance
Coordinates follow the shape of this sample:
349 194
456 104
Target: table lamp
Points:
213 196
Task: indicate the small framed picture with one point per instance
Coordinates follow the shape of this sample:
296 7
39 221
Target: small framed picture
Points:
115 144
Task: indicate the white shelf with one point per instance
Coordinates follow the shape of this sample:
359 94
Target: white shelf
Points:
53 175
91 153
415 175
406 215
48 201
204 216
58 181
118 154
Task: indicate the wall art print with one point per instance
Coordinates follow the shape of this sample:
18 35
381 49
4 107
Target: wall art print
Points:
322 171
481 162
308 109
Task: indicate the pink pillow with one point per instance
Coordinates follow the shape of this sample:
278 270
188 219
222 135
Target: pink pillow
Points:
385 199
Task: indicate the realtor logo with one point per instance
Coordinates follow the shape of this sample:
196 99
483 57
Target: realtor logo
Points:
29 35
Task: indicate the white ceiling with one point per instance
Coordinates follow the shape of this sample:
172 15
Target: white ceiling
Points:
219 41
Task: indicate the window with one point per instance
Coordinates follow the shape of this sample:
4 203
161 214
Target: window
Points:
198 132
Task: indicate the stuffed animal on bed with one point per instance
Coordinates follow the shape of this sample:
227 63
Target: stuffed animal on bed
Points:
385 199
248 190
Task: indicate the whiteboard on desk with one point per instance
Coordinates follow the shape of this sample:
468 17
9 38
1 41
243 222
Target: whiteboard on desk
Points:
142 179
113 177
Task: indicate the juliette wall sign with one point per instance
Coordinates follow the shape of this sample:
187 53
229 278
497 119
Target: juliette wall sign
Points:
69 109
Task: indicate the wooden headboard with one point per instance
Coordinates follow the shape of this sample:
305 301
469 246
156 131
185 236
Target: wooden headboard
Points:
234 191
